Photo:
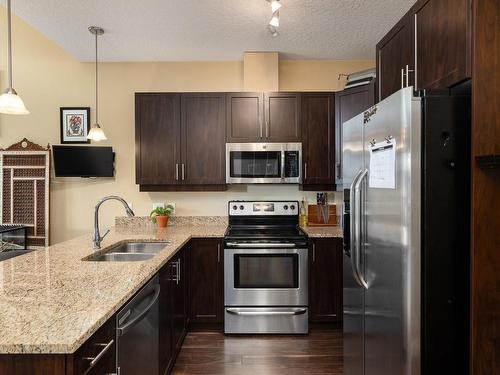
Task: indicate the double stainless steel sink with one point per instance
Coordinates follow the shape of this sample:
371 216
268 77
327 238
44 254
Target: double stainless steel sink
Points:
128 252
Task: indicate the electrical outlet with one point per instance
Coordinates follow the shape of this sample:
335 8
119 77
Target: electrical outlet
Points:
158 205
173 205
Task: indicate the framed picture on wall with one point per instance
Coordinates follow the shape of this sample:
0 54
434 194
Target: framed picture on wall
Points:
75 124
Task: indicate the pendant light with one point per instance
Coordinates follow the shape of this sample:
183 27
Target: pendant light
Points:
96 133
10 102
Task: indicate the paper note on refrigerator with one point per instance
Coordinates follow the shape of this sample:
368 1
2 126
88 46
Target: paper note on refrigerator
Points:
382 173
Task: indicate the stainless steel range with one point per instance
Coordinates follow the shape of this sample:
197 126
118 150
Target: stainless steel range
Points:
265 260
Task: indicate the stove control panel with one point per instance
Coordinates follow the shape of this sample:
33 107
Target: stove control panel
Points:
257 208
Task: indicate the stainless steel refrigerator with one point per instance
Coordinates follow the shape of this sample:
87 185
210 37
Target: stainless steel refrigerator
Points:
406 235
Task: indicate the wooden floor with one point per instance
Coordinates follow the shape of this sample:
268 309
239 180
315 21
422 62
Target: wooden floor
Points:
212 353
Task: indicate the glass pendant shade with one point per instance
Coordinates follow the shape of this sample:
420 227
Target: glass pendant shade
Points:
12 104
96 133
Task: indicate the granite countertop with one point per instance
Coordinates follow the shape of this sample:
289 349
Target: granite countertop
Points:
323 232
52 302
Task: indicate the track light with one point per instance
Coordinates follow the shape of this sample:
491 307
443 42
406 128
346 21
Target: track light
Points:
275 20
275 5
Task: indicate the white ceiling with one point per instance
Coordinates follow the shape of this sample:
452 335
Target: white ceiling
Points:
182 30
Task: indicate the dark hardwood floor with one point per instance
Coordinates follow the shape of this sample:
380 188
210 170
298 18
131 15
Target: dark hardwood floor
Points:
213 353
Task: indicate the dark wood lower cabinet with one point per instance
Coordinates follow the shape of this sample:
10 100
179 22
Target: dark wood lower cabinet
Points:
325 280
206 281
191 292
173 314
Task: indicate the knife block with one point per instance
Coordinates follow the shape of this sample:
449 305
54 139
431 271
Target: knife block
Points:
312 216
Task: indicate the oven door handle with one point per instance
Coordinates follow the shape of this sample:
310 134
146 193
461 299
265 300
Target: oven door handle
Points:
236 311
261 245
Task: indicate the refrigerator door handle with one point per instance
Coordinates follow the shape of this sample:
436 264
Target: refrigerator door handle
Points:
352 221
357 228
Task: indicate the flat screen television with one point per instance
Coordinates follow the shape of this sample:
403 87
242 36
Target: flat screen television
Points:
83 161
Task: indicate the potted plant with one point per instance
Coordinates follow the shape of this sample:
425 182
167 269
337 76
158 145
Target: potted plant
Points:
160 215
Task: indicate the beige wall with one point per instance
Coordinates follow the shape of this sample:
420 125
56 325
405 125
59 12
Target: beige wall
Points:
47 78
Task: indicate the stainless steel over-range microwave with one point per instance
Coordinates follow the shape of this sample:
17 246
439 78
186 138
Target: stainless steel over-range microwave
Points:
263 163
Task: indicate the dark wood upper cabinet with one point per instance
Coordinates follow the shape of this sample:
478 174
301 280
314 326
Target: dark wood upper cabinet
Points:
244 118
317 122
443 42
349 103
203 134
282 117
206 281
396 58
325 280
180 141
434 40
157 137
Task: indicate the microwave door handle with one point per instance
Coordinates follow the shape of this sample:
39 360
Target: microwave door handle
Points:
357 229
282 165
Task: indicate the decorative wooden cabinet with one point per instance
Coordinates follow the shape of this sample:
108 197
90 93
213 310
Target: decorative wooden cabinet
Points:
349 103
433 40
180 141
325 280
24 197
317 122
206 281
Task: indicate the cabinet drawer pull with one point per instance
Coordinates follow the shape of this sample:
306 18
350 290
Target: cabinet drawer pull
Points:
94 360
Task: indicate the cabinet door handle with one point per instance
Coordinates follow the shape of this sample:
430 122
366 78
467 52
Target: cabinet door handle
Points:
94 360
314 252
408 71
183 171
305 171
179 271
267 129
177 171
218 253
260 128
402 77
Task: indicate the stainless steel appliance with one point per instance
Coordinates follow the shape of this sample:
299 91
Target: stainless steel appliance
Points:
137 327
263 163
406 244
265 262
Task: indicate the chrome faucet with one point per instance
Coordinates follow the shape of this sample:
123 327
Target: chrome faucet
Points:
96 237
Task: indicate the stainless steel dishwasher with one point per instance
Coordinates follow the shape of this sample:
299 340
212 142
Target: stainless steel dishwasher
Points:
137 325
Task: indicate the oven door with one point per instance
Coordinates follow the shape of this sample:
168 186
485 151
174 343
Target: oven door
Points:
263 163
266 277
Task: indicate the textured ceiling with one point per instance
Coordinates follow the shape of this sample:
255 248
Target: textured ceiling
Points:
182 30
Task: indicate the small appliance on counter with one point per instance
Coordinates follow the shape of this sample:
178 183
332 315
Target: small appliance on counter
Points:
266 269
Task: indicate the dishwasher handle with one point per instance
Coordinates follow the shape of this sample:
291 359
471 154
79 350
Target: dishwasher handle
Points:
124 328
